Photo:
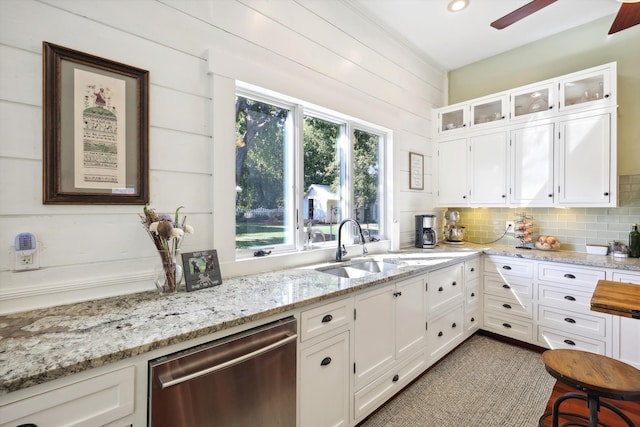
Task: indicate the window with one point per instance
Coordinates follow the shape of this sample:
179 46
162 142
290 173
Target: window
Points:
300 171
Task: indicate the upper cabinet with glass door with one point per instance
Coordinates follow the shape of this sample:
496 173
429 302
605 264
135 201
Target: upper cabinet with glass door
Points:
489 110
533 102
590 88
453 118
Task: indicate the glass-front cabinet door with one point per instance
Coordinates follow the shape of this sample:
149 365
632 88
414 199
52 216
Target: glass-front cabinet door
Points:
532 102
488 110
581 89
453 118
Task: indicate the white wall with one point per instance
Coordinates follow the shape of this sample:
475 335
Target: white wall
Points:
321 51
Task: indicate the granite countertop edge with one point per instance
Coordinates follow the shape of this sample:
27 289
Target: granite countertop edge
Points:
34 345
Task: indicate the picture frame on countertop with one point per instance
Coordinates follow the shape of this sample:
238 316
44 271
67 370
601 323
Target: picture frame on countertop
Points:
416 171
95 129
201 269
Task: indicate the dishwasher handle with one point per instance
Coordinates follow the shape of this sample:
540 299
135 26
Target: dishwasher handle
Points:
175 381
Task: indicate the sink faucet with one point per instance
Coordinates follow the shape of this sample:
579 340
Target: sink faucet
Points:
341 249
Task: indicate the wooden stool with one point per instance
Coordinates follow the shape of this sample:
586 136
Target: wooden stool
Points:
598 376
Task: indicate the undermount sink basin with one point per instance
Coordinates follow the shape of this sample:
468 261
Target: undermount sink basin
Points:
360 269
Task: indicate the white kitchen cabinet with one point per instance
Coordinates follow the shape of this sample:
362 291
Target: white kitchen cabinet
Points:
445 332
491 110
324 390
488 169
532 102
626 331
452 173
473 295
95 401
585 161
444 289
389 325
591 88
452 118
531 163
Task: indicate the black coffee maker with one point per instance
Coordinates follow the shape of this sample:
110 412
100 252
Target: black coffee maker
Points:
426 236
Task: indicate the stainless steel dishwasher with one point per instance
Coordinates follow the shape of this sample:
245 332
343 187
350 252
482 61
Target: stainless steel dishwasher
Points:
248 379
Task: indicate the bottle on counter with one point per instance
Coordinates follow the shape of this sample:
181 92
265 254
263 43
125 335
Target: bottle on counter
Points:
634 242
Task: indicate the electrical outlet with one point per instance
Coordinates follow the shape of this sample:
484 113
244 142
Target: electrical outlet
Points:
509 226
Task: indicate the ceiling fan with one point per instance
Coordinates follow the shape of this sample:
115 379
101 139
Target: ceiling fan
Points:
628 15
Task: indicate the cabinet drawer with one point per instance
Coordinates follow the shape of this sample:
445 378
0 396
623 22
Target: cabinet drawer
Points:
508 287
325 318
444 287
509 326
380 390
95 401
586 278
508 266
551 338
573 322
512 306
472 320
626 277
472 269
445 332
473 292
564 297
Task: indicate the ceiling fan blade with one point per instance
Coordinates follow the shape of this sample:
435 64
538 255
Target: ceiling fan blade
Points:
628 16
521 13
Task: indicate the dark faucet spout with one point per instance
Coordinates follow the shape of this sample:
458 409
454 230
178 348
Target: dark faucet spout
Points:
341 251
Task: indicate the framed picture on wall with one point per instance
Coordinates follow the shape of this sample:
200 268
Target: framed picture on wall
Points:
96 129
201 269
416 171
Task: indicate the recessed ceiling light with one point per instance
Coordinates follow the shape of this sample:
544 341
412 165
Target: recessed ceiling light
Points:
458 5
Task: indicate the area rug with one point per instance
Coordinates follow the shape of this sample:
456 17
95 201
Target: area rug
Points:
484 382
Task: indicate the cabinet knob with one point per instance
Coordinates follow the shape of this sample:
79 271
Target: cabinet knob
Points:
473 319
440 289
327 318
473 269
569 298
506 286
504 196
569 276
507 306
549 195
550 107
569 342
440 334
397 294
506 267
464 197
396 377
325 361
473 294
607 95
453 325
454 283
506 325
606 194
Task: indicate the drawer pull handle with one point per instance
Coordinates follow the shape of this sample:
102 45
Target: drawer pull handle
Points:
569 342
569 320
325 361
506 305
569 276
453 325
506 325
506 286
396 377
440 289
397 294
473 269
440 334
569 298
327 318
454 283
506 267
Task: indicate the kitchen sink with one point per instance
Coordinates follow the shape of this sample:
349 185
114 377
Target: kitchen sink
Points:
360 269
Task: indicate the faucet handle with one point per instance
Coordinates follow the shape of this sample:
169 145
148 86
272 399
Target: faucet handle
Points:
364 250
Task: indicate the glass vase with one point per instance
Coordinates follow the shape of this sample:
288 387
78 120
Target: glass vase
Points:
168 275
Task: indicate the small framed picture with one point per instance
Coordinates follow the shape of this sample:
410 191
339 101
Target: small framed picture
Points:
201 270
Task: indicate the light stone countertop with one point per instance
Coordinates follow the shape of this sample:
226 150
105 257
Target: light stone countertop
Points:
41 345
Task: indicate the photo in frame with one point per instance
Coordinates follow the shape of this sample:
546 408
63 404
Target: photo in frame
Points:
416 171
95 129
201 269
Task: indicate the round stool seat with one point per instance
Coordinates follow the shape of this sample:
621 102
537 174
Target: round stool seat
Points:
598 376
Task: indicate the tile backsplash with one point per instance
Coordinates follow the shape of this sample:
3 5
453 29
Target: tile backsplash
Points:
573 227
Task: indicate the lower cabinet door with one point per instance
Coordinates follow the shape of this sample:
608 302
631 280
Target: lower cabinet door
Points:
324 383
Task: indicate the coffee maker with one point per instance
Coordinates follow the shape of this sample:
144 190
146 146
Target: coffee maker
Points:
426 236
